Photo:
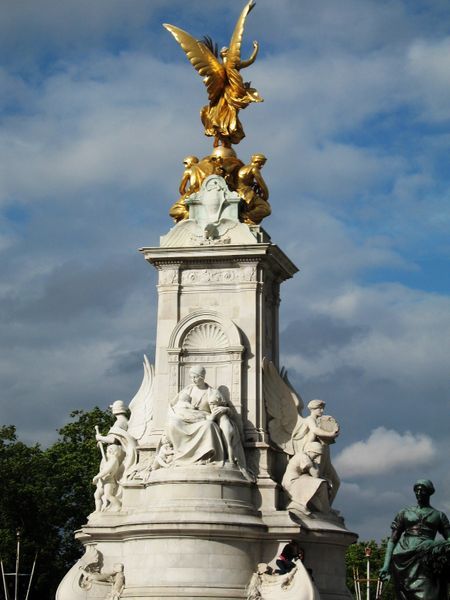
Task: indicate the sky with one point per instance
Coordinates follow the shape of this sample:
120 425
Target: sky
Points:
98 108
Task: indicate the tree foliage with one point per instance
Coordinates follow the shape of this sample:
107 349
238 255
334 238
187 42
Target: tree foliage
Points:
46 495
356 562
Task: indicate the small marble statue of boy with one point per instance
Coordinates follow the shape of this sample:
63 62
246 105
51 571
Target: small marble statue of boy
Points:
164 457
107 480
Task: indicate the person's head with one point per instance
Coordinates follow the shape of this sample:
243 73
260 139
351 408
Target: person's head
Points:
197 374
216 399
423 489
118 408
189 161
183 396
259 160
316 407
224 52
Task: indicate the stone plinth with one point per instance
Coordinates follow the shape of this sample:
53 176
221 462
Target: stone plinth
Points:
218 306
199 530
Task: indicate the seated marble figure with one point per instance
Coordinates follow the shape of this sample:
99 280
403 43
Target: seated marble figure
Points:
201 426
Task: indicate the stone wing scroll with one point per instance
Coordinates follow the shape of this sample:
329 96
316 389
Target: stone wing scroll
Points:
141 406
283 405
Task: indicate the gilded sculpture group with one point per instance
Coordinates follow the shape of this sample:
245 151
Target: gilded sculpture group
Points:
227 95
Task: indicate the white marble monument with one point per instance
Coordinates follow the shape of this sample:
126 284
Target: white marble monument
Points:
216 468
212 474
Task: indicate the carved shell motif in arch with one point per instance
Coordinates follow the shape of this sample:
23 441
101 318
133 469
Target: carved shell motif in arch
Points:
206 335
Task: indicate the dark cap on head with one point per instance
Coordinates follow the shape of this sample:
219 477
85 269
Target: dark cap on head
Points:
426 483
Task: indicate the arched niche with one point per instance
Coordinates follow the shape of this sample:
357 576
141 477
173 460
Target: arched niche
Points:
212 340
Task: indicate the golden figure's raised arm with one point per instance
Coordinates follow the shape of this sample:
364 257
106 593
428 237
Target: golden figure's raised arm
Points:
246 63
234 50
203 61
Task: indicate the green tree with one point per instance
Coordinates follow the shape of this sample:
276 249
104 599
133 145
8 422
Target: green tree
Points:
75 456
26 500
47 495
356 561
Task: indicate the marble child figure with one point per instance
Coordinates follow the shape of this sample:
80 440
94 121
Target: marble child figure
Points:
115 577
107 480
419 565
164 455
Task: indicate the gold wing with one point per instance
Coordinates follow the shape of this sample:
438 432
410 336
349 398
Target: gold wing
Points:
203 61
234 50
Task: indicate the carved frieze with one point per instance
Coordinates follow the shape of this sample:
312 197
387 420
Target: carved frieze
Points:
168 276
195 276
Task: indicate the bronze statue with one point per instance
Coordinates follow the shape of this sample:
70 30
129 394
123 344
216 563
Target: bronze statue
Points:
253 190
420 566
227 91
191 181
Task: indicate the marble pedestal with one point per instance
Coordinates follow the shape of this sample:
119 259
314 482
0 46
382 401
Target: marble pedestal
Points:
199 531
196 533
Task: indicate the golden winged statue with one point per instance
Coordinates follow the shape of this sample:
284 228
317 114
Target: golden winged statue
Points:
227 92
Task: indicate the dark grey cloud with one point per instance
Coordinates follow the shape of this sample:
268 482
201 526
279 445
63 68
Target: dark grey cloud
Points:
315 333
71 290
130 363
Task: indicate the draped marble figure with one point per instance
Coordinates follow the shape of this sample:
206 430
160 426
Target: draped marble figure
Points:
200 425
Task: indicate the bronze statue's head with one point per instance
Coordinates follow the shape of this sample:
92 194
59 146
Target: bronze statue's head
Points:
259 159
190 160
424 483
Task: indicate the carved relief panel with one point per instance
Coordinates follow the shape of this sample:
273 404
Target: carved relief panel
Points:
209 339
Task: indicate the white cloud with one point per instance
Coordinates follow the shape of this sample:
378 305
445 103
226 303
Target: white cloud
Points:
428 65
385 451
